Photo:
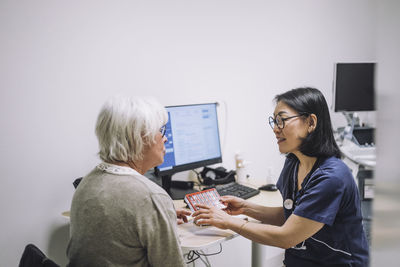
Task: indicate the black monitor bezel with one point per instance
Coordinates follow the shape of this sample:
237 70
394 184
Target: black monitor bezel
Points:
335 94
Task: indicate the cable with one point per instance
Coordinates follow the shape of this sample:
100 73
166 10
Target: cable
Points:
210 254
205 261
194 255
198 177
191 256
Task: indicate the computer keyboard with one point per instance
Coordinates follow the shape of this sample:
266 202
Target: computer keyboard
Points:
363 152
238 190
360 153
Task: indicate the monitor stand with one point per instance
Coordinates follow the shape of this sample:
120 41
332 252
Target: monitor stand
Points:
175 193
352 118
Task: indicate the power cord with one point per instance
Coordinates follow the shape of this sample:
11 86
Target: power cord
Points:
194 255
198 177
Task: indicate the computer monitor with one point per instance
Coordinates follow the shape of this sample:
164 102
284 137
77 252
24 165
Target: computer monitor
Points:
354 87
193 140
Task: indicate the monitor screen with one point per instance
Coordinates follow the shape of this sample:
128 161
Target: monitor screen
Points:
193 138
354 87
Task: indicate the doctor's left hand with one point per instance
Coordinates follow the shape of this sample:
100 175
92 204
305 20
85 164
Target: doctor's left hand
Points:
212 216
181 215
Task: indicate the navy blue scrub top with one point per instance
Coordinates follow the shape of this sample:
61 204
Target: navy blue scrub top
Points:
330 196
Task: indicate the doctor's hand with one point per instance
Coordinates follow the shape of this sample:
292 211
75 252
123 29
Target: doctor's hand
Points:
234 205
181 215
212 216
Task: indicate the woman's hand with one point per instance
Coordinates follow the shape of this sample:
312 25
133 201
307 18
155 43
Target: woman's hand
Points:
234 205
181 215
212 216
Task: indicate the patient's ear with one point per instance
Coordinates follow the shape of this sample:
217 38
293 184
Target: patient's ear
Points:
312 122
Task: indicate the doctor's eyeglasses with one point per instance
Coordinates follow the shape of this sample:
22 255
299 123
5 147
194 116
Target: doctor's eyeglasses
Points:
163 129
280 122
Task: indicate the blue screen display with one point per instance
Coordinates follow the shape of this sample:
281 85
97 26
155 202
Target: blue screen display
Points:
193 136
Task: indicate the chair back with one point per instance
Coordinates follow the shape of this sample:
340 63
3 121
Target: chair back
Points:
34 257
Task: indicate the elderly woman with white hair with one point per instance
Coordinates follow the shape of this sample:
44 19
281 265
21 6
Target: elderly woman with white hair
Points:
118 216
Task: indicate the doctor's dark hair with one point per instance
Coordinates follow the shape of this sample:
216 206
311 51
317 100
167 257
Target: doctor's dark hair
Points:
320 142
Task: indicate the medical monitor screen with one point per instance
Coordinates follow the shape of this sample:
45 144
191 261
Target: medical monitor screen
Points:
354 87
193 138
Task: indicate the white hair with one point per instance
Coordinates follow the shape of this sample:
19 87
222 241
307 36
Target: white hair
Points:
125 125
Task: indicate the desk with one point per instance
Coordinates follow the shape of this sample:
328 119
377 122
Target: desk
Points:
198 238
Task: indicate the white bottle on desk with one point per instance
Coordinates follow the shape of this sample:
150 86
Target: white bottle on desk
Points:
240 168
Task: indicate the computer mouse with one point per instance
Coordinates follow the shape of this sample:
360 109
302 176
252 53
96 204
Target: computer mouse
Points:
268 187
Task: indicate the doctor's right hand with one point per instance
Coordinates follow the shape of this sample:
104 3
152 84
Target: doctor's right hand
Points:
234 205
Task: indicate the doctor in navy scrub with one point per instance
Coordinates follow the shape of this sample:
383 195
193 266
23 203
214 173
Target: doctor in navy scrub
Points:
319 223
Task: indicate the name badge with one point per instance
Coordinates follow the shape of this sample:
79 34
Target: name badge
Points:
288 204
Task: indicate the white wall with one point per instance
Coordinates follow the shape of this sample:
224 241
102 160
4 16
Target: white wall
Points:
60 60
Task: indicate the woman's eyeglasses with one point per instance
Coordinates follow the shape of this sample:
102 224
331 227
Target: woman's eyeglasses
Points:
280 122
163 129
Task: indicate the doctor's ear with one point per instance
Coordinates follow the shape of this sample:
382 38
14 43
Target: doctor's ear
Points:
312 123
